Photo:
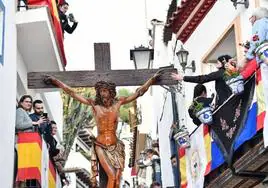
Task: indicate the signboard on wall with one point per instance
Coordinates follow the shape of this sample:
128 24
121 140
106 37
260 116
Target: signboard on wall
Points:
2 31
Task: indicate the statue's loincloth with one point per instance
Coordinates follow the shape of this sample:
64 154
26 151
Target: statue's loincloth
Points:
115 155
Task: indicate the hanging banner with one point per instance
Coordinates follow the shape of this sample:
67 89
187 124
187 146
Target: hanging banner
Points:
229 120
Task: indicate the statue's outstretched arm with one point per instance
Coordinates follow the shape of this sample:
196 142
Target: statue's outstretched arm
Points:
141 90
68 90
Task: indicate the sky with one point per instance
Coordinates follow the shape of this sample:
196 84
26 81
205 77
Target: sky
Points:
122 23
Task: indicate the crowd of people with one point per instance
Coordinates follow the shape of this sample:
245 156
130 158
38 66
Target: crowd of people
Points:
38 121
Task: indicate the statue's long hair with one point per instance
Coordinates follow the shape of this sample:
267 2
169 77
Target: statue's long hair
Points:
107 85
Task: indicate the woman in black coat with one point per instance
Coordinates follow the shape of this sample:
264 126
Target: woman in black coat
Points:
222 89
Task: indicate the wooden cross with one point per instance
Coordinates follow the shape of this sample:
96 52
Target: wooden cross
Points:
102 72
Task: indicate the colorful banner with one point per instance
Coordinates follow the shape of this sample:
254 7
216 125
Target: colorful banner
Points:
29 156
45 162
264 102
250 128
229 120
195 161
57 27
52 178
33 161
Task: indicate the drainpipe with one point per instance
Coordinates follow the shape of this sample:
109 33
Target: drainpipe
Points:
176 175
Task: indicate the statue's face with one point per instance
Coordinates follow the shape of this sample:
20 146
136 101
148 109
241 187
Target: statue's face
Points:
105 93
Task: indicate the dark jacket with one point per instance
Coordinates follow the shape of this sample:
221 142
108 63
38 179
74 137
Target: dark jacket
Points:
51 141
206 103
222 89
65 24
35 117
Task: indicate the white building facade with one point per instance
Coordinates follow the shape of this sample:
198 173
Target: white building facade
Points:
219 32
29 44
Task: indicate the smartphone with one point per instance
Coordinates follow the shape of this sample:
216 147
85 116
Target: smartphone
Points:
44 115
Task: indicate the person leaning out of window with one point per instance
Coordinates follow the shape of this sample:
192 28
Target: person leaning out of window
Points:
222 89
63 8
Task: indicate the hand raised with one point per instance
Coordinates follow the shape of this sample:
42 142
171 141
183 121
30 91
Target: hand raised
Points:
49 79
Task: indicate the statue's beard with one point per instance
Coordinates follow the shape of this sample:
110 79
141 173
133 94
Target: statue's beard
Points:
106 102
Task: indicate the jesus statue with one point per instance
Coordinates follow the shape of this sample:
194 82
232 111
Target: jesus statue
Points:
109 149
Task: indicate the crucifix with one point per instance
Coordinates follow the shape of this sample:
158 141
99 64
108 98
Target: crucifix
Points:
107 147
102 72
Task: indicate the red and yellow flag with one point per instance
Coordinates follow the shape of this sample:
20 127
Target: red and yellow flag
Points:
51 176
29 156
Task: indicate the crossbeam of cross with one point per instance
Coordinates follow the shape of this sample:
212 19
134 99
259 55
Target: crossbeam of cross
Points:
102 72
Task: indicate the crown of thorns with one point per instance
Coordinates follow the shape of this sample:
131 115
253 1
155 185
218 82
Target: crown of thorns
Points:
103 84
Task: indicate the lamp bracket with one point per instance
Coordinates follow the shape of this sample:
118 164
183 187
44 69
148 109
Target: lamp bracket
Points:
241 2
192 67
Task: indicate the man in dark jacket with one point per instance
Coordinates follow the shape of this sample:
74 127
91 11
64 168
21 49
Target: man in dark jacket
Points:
63 8
38 114
222 89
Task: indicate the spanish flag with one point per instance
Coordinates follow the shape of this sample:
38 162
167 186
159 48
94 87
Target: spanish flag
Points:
51 176
57 26
183 174
29 156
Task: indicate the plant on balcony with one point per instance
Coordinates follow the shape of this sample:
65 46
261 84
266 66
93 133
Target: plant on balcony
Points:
197 106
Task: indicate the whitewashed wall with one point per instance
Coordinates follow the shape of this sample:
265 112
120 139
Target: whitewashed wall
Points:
163 57
8 97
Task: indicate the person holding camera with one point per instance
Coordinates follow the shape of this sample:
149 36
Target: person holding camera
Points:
63 8
39 114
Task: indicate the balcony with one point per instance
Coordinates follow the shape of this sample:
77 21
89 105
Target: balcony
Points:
251 166
39 43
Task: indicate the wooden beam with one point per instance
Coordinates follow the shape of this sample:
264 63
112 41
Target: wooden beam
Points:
89 78
102 56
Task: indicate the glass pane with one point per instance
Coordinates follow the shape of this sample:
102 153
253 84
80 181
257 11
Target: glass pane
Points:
142 59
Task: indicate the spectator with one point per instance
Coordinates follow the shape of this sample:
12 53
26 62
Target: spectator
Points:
200 96
23 121
56 151
258 43
154 160
50 132
173 160
38 114
23 124
222 89
63 8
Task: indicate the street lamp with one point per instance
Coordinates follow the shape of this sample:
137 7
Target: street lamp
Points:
142 57
183 59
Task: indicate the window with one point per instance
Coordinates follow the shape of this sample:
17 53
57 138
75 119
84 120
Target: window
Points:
2 31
